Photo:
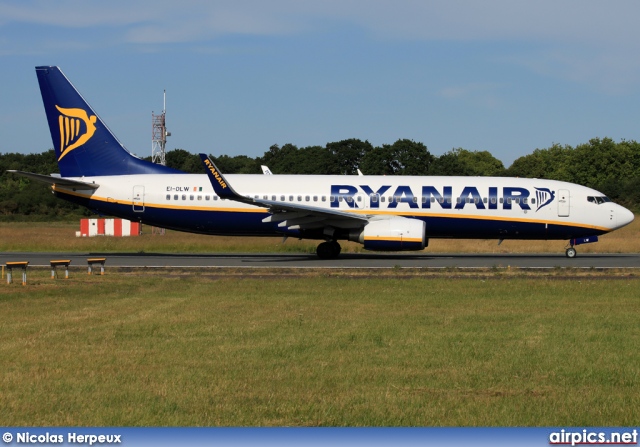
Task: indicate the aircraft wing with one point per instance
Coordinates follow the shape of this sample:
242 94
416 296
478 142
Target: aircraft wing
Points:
54 180
290 215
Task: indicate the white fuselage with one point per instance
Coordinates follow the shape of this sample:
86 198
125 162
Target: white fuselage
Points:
452 207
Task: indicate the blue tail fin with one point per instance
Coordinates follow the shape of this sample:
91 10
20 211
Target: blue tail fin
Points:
83 144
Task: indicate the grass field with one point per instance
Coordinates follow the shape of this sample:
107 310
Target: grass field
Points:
216 348
60 237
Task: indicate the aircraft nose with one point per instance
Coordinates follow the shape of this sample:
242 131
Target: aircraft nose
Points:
624 216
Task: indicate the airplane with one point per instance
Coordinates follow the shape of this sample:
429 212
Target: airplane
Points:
383 213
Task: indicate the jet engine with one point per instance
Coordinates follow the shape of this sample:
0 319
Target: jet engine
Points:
392 234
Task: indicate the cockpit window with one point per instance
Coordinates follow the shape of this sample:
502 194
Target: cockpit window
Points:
598 199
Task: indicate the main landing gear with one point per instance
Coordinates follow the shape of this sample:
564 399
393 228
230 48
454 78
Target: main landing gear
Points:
328 250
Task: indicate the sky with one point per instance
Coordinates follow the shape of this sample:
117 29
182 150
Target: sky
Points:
505 76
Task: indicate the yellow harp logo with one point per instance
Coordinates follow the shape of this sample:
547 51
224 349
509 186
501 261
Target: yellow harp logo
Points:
70 121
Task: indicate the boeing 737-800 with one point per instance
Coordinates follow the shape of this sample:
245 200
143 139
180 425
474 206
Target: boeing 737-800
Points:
381 212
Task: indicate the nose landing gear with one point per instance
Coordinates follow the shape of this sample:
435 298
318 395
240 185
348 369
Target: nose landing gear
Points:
571 252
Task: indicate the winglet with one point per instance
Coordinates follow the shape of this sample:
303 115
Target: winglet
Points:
219 183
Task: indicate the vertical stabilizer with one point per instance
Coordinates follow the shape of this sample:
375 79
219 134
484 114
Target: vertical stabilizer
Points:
83 144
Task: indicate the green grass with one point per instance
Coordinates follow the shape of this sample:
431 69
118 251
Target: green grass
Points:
210 350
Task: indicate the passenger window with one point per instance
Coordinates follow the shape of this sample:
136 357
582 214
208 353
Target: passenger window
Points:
306 198
315 198
199 197
282 198
299 198
184 197
374 198
175 197
206 197
190 197
415 199
215 198
324 198
168 196
382 199
484 200
273 198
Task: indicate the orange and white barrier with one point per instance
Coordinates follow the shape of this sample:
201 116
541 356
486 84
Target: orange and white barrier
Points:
108 227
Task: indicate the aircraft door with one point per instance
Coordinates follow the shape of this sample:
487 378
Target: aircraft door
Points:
563 203
138 198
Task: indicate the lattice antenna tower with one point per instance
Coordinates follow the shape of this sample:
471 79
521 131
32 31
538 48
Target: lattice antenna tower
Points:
159 134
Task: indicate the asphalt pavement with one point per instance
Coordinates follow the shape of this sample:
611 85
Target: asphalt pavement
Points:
347 260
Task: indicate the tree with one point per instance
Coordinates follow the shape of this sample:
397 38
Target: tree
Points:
346 156
464 162
548 163
404 157
240 164
184 161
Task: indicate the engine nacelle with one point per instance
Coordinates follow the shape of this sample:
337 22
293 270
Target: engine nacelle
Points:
393 234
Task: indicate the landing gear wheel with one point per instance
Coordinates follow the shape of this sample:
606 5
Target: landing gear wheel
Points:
571 252
328 250
337 248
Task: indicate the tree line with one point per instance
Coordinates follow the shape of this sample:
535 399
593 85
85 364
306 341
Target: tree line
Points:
603 164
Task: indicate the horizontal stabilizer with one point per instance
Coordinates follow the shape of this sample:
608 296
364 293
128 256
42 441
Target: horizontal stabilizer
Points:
58 181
